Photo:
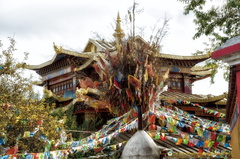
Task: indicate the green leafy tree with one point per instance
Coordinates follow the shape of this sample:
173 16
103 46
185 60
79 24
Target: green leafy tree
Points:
70 121
219 23
25 121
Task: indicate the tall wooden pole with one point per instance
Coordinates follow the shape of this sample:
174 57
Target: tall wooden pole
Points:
140 117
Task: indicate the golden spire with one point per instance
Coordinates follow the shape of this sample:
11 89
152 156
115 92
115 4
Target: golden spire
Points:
118 31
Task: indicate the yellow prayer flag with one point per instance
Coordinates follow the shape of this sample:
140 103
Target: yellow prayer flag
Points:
26 134
179 141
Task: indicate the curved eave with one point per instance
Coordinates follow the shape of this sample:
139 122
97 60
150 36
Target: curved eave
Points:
37 67
221 102
200 75
179 57
59 51
61 99
200 68
64 108
192 98
197 78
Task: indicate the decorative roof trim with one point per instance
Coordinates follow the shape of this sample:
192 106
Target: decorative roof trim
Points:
200 68
64 108
230 46
86 64
179 57
221 102
100 44
196 100
58 98
201 73
36 67
59 50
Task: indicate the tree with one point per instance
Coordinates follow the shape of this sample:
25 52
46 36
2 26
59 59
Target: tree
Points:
219 23
25 123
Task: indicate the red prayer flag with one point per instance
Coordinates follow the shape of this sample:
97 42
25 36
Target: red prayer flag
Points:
129 95
13 150
98 149
116 84
213 136
36 156
200 151
97 68
190 144
215 144
163 137
152 118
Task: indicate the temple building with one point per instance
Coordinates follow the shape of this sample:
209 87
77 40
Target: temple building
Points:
70 71
229 52
61 75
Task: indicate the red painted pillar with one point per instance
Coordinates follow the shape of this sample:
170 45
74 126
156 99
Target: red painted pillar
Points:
238 87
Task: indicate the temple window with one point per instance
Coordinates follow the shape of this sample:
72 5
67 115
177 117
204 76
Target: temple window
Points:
67 86
179 84
174 83
169 84
57 65
60 88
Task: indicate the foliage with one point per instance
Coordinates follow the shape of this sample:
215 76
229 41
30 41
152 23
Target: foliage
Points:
219 23
25 120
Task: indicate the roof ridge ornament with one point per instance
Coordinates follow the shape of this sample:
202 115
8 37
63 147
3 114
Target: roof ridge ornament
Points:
58 49
118 34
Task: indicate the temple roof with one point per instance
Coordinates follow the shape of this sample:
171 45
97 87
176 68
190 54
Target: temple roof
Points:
180 57
200 68
62 53
98 46
201 72
196 98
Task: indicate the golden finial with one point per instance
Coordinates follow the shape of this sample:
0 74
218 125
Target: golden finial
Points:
118 31
58 49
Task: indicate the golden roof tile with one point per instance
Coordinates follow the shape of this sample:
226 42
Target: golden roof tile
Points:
59 50
179 57
201 73
192 97
200 68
